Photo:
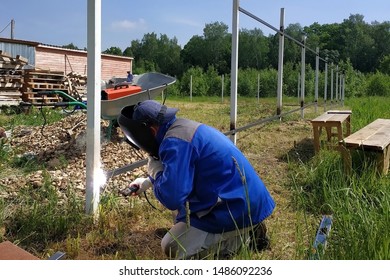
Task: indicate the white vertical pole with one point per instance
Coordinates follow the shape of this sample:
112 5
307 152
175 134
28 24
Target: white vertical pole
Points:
234 70
303 68
343 89
326 83
191 88
331 83
93 110
279 89
299 87
337 84
222 85
341 85
316 80
258 88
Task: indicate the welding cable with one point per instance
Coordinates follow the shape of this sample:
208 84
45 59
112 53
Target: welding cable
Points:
154 207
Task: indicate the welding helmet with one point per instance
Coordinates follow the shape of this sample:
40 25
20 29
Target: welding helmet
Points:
135 122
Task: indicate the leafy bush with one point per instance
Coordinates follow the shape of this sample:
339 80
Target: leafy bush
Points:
378 85
199 82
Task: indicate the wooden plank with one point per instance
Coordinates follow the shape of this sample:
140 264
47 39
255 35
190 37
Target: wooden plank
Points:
339 112
10 93
22 59
375 135
9 251
324 118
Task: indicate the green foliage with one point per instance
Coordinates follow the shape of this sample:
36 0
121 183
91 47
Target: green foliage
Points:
214 82
359 203
113 51
268 82
356 82
384 66
248 82
38 217
70 46
199 84
378 85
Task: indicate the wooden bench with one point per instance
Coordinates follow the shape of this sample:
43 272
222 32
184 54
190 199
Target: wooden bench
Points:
329 120
375 137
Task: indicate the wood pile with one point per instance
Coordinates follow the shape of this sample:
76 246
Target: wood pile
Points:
77 85
36 86
38 83
11 78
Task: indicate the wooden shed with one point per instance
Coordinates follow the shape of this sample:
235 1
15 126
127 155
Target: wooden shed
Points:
53 58
27 68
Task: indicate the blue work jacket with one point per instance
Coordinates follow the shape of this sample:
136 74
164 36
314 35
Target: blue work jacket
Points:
204 171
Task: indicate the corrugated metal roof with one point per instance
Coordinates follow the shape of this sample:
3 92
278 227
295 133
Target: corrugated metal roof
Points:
6 41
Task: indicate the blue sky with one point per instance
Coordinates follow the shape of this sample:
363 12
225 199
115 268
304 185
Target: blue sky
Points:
59 23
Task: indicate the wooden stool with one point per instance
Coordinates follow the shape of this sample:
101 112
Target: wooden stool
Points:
329 120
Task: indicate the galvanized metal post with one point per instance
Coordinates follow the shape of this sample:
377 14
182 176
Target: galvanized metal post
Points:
191 88
234 70
303 69
280 64
258 88
337 84
12 28
316 81
343 89
299 87
331 83
341 85
93 167
326 83
222 86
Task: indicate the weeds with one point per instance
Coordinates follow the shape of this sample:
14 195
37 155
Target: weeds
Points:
39 218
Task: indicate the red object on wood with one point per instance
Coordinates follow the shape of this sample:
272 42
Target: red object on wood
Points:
120 91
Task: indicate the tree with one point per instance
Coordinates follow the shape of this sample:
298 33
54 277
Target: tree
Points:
217 46
359 44
128 52
113 51
253 49
70 46
154 53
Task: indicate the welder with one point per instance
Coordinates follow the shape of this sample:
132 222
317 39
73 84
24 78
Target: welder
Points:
197 172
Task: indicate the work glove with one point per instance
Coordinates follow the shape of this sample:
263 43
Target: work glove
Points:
154 167
137 187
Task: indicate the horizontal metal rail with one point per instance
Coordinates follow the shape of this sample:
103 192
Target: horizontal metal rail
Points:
279 31
142 162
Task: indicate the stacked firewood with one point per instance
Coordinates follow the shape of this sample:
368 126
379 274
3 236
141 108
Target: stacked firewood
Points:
11 78
77 85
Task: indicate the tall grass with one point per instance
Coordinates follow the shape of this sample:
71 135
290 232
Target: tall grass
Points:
359 203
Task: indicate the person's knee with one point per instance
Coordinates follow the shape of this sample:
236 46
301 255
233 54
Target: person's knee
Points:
169 246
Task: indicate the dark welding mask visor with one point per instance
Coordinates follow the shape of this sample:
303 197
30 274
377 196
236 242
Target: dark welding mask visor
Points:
138 133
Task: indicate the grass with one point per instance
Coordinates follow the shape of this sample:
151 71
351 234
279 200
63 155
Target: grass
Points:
305 187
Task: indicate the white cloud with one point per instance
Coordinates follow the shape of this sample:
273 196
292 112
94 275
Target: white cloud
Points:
127 25
185 21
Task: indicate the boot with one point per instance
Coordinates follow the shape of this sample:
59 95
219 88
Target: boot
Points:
259 238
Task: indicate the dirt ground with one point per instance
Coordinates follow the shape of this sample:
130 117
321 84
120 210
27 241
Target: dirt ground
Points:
271 148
